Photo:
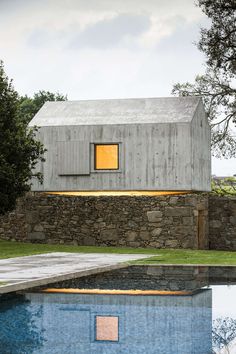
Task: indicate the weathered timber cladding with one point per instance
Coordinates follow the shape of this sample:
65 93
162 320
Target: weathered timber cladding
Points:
161 222
164 144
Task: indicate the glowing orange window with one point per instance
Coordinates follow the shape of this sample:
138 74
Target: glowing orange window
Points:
107 157
107 328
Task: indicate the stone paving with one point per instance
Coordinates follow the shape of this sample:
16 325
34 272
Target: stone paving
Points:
25 272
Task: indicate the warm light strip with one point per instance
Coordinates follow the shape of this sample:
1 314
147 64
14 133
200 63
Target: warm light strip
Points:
117 292
119 193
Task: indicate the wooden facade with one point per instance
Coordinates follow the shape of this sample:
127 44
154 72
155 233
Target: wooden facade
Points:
163 144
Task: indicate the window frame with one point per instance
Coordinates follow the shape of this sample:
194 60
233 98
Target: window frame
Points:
107 340
93 157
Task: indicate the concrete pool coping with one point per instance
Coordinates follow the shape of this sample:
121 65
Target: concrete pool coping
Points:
21 273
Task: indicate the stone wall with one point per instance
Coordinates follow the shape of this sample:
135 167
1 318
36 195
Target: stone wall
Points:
171 221
222 222
152 277
143 278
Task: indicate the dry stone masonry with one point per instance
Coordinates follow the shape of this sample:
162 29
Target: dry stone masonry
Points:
222 225
170 221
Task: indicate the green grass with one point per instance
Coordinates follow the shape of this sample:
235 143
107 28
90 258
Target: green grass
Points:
164 256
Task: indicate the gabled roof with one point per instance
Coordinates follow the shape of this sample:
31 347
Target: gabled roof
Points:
117 111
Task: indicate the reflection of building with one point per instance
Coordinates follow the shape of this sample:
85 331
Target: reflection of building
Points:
171 324
175 318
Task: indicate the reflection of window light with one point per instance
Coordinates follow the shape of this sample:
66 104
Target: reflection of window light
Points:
106 157
107 328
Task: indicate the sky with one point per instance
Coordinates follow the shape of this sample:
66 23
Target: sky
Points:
223 298
92 49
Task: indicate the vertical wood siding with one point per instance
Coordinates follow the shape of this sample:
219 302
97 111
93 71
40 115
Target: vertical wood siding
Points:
172 156
73 158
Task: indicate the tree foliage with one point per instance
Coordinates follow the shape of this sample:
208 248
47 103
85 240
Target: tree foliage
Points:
219 41
223 333
19 151
29 106
217 85
224 186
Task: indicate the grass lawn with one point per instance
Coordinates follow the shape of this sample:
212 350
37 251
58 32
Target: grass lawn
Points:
164 256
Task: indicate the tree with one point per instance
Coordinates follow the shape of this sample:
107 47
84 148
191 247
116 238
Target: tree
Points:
20 330
28 106
19 151
223 333
217 86
224 185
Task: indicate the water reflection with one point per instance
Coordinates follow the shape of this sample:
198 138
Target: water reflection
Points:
224 335
178 320
20 325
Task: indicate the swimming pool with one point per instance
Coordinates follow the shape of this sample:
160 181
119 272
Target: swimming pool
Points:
177 310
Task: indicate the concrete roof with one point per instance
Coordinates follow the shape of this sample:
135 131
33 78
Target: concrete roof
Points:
117 111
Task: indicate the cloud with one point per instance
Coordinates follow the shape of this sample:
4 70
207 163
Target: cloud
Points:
110 33
83 24
39 38
94 49
9 5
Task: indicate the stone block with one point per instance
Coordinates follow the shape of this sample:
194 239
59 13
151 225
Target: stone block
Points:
134 244
32 216
154 216
233 220
184 230
75 217
173 200
131 236
156 232
187 220
45 208
38 228
215 223
144 235
202 206
36 236
155 271
191 201
132 224
169 220
89 241
171 243
187 243
85 229
109 235
178 211
156 244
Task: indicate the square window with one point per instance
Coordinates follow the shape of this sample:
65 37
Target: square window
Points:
106 157
107 328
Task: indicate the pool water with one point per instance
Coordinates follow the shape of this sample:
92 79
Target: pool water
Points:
178 310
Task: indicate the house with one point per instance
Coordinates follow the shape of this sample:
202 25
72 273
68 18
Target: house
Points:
143 144
108 324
